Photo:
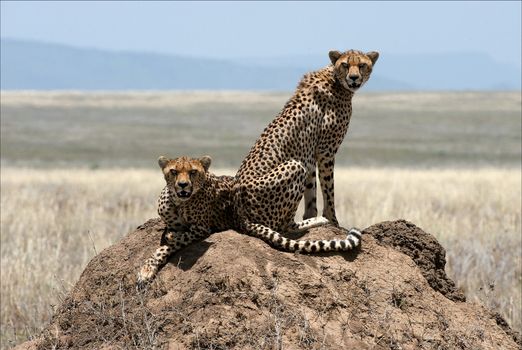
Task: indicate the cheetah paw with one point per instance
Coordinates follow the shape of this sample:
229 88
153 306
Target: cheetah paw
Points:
146 275
321 220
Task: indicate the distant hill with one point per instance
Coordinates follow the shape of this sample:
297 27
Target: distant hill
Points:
44 66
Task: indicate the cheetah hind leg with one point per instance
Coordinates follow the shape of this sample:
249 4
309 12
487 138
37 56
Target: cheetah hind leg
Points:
352 240
272 199
302 226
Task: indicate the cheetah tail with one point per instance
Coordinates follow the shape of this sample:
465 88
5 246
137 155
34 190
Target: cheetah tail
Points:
352 240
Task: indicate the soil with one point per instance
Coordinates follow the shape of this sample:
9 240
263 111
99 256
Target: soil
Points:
233 291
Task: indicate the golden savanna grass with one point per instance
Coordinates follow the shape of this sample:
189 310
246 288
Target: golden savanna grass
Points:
54 221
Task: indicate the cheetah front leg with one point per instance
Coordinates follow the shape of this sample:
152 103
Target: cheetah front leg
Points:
326 177
310 196
175 241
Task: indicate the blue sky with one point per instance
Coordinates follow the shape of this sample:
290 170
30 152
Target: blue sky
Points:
253 29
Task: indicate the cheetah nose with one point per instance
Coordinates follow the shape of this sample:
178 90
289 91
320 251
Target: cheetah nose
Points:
353 77
182 184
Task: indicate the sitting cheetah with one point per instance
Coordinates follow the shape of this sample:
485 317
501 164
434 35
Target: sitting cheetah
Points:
196 203
306 134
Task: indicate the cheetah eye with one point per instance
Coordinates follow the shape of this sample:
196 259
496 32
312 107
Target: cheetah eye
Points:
362 65
344 64
173 172
193 172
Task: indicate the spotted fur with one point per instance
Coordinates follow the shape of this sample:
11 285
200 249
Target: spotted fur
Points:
196 203
304 136
193 204
281 166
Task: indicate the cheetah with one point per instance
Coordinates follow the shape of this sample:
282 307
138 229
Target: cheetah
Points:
193 204
279 169
304 136
196 203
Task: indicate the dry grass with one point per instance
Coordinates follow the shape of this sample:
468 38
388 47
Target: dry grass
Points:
475 214
131 129
50 223
54 221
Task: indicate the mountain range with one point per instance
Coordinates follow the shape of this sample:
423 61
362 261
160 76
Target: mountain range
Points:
32 65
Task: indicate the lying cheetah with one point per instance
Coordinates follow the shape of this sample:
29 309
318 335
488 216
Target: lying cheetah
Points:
306 134
196 203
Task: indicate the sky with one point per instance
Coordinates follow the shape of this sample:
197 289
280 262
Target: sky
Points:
258 29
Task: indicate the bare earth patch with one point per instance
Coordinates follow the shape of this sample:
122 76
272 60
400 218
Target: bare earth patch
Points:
233 291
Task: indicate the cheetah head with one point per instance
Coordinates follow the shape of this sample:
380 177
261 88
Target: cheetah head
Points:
185 176
353 68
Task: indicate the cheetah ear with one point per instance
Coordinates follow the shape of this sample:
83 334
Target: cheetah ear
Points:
334 56
205 161
373 56
162 162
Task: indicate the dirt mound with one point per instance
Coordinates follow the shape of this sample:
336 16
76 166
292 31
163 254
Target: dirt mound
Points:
232 291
